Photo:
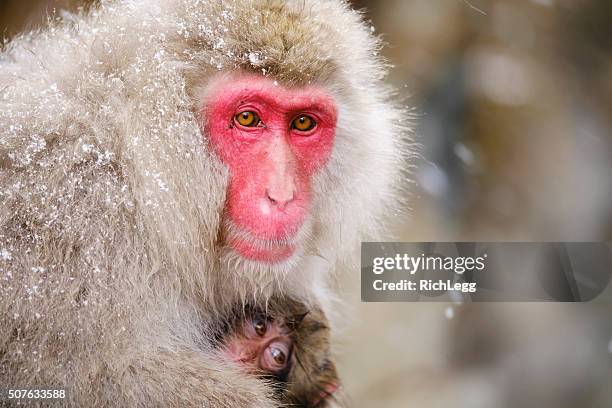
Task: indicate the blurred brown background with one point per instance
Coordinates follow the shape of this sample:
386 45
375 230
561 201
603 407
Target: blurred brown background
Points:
514 112
513 104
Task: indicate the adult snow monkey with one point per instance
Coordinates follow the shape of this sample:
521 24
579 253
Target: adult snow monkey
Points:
164 160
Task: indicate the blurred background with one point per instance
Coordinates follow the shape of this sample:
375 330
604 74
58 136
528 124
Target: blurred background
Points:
513 101
513 106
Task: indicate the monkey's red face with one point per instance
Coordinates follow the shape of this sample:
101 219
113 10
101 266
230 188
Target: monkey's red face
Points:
273 139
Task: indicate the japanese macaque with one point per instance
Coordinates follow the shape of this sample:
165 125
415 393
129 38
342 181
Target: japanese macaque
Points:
162 161
289 345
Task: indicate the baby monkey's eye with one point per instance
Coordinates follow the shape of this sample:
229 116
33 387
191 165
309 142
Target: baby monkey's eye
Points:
260 326
303 123
247 119
279 356
275 357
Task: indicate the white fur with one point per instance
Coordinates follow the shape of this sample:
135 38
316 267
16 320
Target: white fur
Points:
111 204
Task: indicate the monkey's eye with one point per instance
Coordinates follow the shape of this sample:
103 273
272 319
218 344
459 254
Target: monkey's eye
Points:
260 327
247 119
275 357
279 356
303 123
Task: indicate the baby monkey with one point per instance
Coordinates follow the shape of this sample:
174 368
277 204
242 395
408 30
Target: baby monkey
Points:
289 345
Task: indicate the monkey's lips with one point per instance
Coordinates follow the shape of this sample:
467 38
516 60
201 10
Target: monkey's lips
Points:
266 251
255 248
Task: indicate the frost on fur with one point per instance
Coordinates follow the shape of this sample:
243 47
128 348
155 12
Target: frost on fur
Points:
111 203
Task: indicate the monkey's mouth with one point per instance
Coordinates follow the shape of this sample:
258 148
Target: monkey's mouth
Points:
271 254
264 250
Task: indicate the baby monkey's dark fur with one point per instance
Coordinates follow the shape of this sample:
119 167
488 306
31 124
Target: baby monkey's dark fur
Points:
310 377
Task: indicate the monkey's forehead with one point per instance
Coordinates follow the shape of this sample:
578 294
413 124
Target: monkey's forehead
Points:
296 42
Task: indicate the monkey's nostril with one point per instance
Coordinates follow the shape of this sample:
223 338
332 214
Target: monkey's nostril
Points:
280 200
272 200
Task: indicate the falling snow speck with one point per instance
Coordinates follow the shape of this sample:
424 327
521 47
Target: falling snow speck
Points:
254 58
5 255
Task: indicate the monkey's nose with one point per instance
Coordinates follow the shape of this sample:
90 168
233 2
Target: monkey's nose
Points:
280 199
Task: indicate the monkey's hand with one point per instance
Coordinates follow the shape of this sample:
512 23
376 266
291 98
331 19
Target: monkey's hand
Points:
190 378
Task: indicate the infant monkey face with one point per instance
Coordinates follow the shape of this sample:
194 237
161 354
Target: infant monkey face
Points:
289 345
262 345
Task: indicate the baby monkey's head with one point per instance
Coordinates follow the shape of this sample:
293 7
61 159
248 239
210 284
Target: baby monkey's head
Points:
290 345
